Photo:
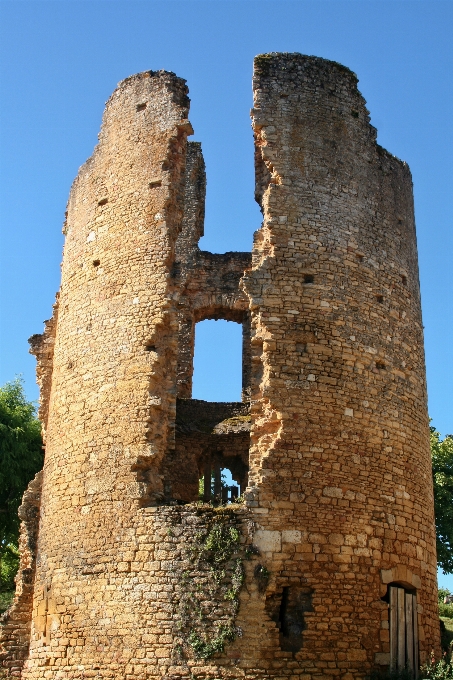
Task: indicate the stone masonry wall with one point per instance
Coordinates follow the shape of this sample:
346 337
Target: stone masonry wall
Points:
208 282
16 621
113 383
42 347
134 578
339 451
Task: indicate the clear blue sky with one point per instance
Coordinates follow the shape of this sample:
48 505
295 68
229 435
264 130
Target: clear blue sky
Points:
60 60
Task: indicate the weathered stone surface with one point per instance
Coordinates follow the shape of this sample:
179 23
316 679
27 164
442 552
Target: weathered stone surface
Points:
330 442
16 621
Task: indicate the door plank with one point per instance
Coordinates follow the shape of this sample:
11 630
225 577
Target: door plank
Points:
393 621
415 614
401 629
409 633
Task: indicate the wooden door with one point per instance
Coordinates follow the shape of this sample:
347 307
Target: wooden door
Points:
403 622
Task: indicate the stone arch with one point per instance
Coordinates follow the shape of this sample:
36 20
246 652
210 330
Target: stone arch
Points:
218 311
399 574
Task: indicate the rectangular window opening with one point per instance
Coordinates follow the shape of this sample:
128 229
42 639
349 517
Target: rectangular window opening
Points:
217 374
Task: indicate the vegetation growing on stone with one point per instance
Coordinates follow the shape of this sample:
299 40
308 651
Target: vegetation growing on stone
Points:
212 581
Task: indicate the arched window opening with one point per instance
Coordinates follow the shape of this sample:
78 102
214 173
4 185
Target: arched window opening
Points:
221 484
217 361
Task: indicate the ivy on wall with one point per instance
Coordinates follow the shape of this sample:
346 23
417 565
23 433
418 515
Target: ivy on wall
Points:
210 578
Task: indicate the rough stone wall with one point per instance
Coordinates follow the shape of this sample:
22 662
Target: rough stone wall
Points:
339 441
16 621
113 391
208 282
132 583
42 347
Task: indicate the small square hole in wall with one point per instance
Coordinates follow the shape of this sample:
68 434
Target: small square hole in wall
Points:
96 263
380 298
155 183
354 114
103 201
141 107
150 348
309 278
404 280
359 256
380 366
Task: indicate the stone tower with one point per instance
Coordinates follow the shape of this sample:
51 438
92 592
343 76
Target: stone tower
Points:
328 567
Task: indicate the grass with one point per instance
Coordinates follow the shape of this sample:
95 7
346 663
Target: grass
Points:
447 635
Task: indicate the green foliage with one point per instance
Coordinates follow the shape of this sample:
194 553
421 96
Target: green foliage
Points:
446 610
9 564
442 462
21 458
6 598
442 593
442 670
204 649
446 635
220 543
208 601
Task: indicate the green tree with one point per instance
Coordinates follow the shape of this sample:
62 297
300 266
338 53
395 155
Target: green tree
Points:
442 461
21 457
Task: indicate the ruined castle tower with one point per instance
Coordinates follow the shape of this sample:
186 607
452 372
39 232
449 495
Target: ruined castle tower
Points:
328 568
